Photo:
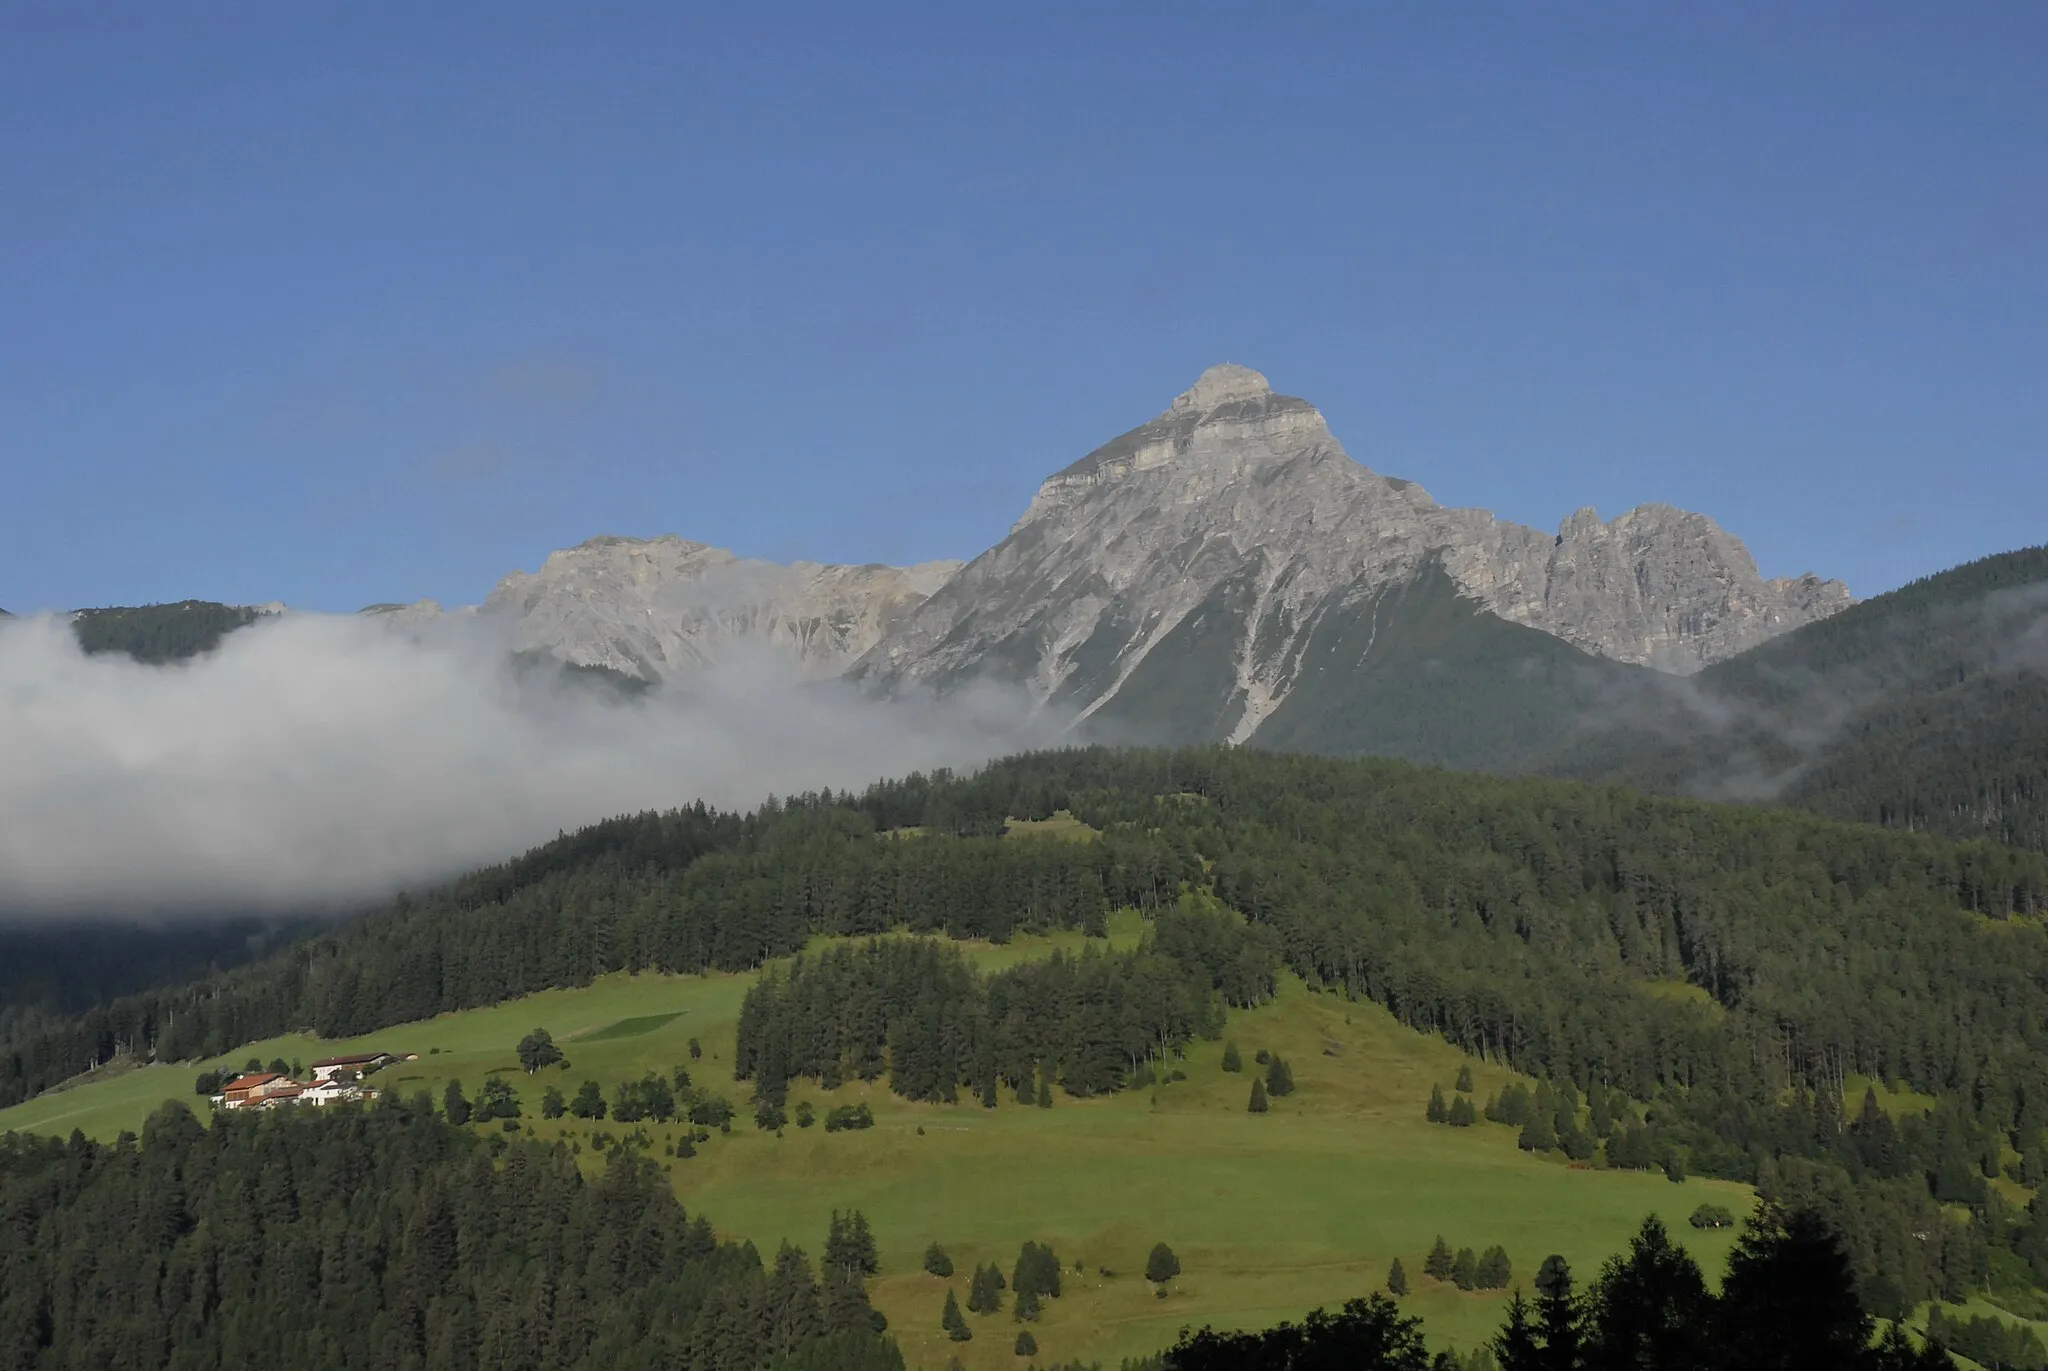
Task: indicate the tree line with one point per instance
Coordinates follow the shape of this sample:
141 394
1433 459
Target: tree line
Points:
918 1011
388 1238
1718 971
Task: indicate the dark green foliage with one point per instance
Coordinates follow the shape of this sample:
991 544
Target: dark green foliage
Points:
650 1097
769 1116
157 634
589 1102
1438 1111
1536 924
1161 1266
696 1050
1037 1272
1464 1085
842 1118
1045 1089
1026 1345
1366 1335
985 1291
537 1049
1437 1265
1539 1134
552 1103
454 1105
806 1114
1915 710
850 1245
1989 1341
384 1237
917 1009
497 1100
1494 1271
1397 1278
1258 1104
1712 1216
1465 1269
937 1262
1462 1114
1231 1061
954 1322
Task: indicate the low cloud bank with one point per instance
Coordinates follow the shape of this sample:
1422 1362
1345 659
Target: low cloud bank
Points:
320 762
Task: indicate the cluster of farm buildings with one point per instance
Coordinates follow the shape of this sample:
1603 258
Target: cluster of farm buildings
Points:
335 1079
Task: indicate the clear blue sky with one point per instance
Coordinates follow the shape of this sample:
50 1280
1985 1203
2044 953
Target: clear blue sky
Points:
345 303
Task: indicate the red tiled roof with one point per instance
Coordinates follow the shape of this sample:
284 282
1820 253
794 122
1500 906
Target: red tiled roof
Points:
250 1082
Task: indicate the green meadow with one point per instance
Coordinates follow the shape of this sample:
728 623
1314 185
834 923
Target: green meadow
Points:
1270 1214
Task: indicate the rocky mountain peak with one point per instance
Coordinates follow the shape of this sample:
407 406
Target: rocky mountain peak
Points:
1219 385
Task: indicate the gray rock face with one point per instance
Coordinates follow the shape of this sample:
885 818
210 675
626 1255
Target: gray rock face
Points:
656 607
1237 507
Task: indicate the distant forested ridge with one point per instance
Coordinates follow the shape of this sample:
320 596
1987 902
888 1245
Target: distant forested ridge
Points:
1926 709
1724 969
161 633
387 1238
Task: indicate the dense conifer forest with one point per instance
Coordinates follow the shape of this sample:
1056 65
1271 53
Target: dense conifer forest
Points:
1715 974
389 1238
1925 708
161 633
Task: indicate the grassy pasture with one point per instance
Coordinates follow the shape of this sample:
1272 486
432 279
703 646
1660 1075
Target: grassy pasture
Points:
1270 1214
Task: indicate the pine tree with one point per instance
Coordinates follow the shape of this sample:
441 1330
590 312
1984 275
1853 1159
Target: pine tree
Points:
954 1322
1026 1345
1045 1090
1258 1104
1279 1078
1231 1061
1495 1270
1437 1266
937 1262
1436 1113
454 1106
1465 1269
1557 1314
1464 1085
1397 1278
1462 1115
1538 1134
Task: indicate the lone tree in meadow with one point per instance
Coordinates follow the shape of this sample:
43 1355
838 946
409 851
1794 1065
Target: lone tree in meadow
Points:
955 1322
1438 1111
1162 1266
1231 1061
537 1049
1437 1265
937 1262
1464 1086
1258 1104
1397 1278
1279 1078
1026 1346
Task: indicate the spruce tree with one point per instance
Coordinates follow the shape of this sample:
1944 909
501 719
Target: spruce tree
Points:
954 1322
1162 1266
1279 1078
1464 1085
1558 1318
1465 1269
937 1262
1495 1270
1231 1061
454 1107
1437 1265
1462 1114
1026 1345
1258 1104
1045 1090
1397 1278
1537 1134
1436 1112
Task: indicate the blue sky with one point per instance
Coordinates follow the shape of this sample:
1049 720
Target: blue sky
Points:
348 303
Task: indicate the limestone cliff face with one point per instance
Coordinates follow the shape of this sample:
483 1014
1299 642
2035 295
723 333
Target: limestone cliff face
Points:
1236 515
659 607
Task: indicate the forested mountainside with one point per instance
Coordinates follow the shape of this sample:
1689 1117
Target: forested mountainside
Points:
1718 972
388 1238
1926 708
161 633
51 972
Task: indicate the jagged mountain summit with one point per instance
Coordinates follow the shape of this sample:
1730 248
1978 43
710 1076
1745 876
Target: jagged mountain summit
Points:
658 607
1229 554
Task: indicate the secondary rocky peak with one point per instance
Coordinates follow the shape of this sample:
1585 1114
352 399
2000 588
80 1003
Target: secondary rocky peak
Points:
1221 385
